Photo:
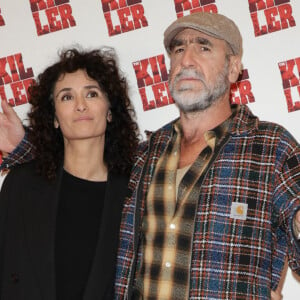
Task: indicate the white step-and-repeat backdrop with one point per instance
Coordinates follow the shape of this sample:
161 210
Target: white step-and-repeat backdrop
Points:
32 31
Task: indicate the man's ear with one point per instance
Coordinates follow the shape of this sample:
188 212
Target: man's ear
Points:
235 67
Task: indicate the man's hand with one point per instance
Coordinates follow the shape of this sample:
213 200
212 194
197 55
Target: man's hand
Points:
11 128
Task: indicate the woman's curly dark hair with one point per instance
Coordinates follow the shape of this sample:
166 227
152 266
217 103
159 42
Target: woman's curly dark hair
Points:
121 137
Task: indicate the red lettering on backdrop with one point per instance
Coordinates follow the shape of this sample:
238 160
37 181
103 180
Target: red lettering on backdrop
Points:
271 15
123 16
184 7
152 80
2 23
290 74
241 90
58 14
14 80
43 4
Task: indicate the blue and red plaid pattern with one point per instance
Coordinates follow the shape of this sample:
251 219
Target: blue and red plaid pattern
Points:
259 165
23 153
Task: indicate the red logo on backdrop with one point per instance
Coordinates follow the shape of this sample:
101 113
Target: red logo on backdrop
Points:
152 80
2 23
123 15
290 74
14 80
271 15
185 7
51 15
241 90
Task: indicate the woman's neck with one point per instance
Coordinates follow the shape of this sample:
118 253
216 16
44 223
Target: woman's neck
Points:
85 160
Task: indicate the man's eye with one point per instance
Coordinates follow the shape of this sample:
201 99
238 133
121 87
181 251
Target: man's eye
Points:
178 50
204 48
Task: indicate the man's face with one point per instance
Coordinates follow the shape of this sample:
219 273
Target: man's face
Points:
199 74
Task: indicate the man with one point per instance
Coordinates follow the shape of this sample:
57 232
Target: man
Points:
214 193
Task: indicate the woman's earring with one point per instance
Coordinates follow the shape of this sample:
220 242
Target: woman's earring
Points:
56 124
109 116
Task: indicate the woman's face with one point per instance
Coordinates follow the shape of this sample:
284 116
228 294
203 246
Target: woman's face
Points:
81 108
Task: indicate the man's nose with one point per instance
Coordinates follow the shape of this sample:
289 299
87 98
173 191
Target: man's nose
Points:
188 58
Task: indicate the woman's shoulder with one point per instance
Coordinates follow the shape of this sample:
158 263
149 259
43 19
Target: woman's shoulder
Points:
118 180
24 173
27 168
19 177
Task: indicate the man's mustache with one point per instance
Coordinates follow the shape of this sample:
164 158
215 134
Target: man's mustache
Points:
189 73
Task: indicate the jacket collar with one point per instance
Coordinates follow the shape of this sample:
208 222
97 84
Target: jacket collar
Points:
243 122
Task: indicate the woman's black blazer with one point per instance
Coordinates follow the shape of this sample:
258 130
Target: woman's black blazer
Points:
28 206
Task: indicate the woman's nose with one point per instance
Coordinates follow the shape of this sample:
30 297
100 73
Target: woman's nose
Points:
81 105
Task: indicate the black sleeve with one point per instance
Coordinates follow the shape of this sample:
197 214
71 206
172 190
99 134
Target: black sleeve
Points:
5 201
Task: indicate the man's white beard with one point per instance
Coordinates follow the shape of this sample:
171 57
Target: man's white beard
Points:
189 100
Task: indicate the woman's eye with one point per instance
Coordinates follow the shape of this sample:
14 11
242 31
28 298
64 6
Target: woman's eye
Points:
92 94
66 97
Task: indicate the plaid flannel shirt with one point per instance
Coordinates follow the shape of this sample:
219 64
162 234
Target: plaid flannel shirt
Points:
24 152
257 165
169 220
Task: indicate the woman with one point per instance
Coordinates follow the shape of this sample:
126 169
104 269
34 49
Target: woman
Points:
60 214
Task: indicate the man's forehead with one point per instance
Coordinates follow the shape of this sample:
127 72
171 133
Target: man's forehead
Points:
189 35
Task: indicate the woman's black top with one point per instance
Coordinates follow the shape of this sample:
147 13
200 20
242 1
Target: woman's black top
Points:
77 226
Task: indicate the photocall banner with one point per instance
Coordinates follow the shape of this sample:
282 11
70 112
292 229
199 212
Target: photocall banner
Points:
33 31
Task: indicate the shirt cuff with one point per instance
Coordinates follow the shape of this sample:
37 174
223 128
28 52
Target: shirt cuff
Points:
22 153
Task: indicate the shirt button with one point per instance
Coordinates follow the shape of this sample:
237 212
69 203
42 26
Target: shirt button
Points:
172 226
168 264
